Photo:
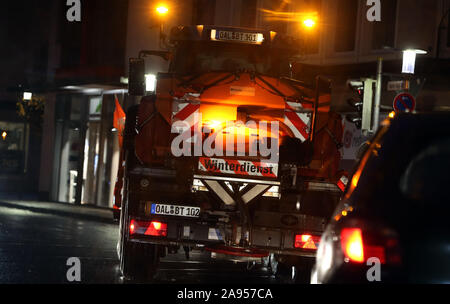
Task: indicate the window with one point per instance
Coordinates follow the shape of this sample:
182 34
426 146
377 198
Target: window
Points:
204 12
426 177
384 31
12 139
346 26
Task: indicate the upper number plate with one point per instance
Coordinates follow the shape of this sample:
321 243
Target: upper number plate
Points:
252 38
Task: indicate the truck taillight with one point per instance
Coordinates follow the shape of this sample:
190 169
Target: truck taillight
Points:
306 241
132 227
153 228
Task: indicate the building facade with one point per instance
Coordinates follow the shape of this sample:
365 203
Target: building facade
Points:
344 43
80 149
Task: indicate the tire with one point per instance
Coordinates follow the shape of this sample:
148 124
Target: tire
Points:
116 215
138 261
292 270
303 271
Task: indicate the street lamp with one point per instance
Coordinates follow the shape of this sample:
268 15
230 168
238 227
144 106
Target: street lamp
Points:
27 96
162 10
308 20
409 60
309 23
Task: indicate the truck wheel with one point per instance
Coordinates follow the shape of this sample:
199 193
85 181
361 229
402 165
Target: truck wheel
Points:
139 262
303 269
291 269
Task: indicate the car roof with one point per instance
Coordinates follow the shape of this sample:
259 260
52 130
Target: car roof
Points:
421 119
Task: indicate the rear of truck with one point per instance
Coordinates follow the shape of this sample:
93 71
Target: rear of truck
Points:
234 199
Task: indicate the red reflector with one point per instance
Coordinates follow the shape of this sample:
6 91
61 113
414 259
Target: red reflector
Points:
153 228
306 241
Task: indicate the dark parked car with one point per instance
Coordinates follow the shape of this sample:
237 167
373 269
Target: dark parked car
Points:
396 208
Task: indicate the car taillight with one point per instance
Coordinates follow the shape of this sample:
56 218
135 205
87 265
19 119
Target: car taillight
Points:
352 244
358 248
153 228
306 241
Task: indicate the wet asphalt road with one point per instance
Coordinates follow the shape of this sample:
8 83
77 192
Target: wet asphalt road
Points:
34 248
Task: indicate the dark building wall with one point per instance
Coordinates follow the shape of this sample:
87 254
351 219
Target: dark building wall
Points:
24 39
93 50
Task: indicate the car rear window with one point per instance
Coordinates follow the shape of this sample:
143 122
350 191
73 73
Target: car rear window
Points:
407 169
427 177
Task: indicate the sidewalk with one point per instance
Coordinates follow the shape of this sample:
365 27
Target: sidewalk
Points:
75 211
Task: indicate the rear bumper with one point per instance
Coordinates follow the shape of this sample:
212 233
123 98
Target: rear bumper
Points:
200 235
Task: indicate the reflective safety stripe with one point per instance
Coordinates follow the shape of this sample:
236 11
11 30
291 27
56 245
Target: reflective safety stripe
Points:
298 122
342 183
220 191
186 109
254 192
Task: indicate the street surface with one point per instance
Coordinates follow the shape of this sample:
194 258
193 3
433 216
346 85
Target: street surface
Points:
34 248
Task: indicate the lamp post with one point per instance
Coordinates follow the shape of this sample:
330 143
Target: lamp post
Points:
409 61
161 10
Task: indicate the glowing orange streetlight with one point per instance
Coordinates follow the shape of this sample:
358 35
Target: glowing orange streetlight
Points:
162 10
309 23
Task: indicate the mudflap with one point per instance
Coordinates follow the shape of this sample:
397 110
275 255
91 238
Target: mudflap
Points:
291 269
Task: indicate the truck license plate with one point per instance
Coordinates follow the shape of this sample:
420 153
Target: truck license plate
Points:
175 210
251 38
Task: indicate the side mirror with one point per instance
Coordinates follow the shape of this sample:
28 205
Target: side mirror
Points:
362 150
136 80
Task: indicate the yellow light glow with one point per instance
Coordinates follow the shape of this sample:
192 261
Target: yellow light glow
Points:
392 115
213 124
355 180
306 237
216 115
309 23
4 134
157 225
162 9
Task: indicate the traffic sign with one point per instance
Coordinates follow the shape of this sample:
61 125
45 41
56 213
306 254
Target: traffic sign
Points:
404 102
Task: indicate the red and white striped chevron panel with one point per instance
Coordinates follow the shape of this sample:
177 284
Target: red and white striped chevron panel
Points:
238 167
298 123
186 109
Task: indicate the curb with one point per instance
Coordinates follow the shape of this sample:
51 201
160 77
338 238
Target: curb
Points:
60 212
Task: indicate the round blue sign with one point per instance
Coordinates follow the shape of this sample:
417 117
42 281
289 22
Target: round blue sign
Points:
404 102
